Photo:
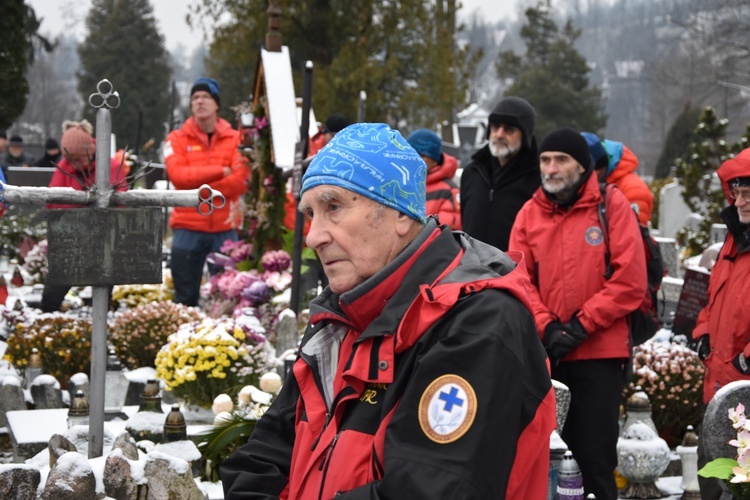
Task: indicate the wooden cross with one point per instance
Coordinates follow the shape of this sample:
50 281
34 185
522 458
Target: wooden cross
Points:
116 239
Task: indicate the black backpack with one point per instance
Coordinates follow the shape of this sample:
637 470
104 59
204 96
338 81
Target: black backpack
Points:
644 321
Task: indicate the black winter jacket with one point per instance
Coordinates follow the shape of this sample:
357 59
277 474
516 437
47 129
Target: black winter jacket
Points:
489 206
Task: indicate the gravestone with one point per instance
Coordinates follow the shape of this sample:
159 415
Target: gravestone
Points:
693 299
11 398
673 211
670 255
717 429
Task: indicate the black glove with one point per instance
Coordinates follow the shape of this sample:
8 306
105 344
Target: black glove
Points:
702 347
741 364
560 339
576 329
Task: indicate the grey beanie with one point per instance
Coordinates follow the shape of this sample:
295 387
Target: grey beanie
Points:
516 112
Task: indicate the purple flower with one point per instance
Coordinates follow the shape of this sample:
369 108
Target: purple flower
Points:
243 251
261 123
257 293
275 260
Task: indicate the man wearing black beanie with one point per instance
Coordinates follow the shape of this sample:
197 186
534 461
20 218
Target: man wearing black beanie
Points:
502 175
579 303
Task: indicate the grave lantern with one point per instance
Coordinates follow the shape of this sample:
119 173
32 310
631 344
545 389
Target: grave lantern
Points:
688 452
78 413
150 399
115 383
34 367
638 408
175 428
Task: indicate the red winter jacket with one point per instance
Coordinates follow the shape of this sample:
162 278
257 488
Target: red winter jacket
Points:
191 162
443 194
726 317
68 175
632 186
442 389
564 255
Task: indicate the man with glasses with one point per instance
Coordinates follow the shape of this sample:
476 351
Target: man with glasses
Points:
502 175
723 327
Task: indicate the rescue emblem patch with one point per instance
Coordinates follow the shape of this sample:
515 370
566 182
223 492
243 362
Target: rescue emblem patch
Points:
447 409
594 236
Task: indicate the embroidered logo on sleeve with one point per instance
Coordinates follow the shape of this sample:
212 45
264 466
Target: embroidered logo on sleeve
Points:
447 409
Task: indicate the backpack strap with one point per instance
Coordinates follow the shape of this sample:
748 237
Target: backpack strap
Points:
604 223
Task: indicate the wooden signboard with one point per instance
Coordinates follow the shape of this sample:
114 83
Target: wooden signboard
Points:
693 298
104 247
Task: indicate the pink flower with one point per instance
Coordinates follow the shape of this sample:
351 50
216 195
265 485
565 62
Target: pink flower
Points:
276 260
261 123
279 281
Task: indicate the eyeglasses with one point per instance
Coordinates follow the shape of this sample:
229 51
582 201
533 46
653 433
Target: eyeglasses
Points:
735 194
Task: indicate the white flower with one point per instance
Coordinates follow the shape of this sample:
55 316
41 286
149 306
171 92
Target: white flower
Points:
222 418
270 382
222 404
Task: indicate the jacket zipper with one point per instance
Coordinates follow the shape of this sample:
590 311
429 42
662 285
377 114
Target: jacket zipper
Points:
325 462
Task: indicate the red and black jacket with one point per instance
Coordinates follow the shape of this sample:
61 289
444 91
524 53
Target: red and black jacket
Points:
448 306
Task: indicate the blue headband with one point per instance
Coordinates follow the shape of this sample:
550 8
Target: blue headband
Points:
375 161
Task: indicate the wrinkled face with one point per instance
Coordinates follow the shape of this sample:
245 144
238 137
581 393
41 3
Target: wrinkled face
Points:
741 197
203 105
354 236
505 141
16 150
560 173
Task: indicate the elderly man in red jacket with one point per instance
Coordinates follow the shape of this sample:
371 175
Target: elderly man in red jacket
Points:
580 303
421 374
203 151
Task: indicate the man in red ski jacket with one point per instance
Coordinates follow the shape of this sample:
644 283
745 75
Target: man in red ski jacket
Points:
421 375
580 314
203 151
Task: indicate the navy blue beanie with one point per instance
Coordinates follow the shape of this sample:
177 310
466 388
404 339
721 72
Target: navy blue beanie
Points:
426 143
209 85
598 151
375 161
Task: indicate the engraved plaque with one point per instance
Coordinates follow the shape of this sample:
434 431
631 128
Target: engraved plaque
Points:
103 247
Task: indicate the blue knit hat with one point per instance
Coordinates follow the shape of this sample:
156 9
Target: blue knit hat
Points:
375 161
426 143
209 85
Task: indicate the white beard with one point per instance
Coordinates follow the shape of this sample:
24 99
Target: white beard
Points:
503 152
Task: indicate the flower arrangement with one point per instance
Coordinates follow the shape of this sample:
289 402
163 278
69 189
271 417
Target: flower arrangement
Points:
231 291
672 376
35 263
63 341
233 425
19 233
203 360
139 333
129 296
734 472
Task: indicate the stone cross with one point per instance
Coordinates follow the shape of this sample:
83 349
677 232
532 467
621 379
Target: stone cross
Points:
104 244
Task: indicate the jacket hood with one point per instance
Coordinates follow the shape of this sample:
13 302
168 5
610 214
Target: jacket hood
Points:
739 166
627 163
614 150
446 170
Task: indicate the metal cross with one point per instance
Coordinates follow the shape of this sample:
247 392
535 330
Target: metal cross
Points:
102 198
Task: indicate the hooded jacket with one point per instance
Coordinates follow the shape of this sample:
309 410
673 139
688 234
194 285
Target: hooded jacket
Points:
564 251
440 332
68 175
193 160
489 204
443 194
622 173
726 317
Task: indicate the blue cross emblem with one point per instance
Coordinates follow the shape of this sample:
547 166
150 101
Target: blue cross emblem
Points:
451 398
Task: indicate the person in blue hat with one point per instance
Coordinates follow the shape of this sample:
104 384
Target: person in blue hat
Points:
421 374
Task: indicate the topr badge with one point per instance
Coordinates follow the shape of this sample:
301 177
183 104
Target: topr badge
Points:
447 409
594 236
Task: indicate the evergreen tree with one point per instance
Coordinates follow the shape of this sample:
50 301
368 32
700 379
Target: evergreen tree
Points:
403 54
702 192
679 137
13 51
124 46
553 75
